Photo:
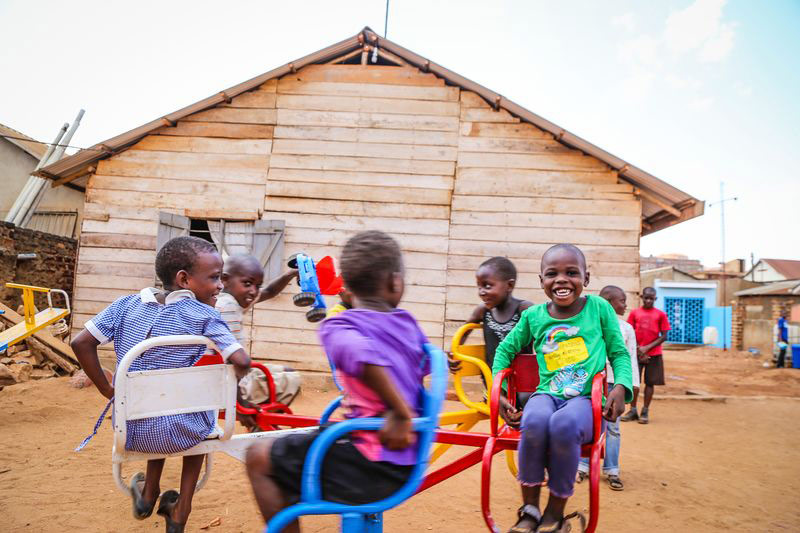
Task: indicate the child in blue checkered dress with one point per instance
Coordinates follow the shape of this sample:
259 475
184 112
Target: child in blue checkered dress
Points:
190 270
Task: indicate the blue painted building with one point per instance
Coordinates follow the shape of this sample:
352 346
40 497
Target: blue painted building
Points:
691 306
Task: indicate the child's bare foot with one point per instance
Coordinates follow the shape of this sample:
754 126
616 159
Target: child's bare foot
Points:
582 476
529 518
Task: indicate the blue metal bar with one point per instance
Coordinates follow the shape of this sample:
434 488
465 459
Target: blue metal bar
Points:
311 501
333 406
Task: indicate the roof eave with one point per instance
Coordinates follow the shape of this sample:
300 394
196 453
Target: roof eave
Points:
676 205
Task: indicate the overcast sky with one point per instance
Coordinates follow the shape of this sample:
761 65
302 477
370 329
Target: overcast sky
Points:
694 92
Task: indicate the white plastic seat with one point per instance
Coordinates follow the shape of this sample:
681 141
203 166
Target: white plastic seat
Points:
151 393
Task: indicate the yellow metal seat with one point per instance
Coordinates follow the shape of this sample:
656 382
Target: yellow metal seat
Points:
473 363
33 321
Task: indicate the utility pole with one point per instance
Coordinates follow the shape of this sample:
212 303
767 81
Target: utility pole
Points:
721 204
386 20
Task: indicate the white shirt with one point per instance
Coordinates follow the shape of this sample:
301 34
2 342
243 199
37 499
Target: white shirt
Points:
232 314
629 336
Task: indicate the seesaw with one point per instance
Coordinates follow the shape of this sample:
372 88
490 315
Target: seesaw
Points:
33 321
522 380
149 393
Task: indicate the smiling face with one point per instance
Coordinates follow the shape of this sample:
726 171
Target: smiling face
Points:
244 285
492 289
204 277
563 276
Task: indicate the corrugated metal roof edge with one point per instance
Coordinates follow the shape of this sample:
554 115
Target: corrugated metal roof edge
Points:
688 206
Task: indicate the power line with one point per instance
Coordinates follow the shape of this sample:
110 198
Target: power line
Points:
26 139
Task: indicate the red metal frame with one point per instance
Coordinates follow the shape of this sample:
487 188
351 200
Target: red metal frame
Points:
269 406
502 435
272 415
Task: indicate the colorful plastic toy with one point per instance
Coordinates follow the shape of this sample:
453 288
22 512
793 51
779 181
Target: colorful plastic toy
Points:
33 321
315 280
367 518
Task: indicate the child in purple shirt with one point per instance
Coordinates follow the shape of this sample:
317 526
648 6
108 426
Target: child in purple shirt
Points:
376 351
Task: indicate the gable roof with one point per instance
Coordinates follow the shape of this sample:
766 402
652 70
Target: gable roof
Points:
20 140
662 204
776 288
788 268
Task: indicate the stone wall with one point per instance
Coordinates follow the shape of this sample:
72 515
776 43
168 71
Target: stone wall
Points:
53 266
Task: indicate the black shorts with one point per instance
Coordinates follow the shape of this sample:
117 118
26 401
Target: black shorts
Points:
653 371
347 476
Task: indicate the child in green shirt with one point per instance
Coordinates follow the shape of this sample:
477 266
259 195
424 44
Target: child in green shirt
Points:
573 336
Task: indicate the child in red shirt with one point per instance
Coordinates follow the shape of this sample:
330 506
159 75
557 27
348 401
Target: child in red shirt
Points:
651 326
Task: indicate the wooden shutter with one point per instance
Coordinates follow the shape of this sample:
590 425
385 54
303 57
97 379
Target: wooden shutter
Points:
268 246
170 226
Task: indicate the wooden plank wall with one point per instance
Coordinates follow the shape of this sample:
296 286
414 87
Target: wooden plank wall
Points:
519 191
359 148
336 149
213 163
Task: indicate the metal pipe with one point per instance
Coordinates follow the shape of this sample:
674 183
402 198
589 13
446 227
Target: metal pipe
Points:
26 213
28 184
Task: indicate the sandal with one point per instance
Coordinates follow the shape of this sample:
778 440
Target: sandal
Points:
564 526
582 476
168 502
141 509
615 483
530 512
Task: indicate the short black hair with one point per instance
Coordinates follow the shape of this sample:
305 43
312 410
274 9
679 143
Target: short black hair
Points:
609 290
649 289
502 266
368 259
565 246
179 254
239 264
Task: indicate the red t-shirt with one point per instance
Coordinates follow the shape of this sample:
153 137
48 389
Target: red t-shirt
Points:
648 323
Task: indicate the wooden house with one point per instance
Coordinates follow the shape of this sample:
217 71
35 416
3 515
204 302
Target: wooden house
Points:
364 134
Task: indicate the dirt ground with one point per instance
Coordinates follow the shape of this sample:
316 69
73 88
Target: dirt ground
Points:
723 465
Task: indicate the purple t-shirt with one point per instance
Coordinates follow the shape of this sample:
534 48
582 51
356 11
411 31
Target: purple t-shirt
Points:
392 340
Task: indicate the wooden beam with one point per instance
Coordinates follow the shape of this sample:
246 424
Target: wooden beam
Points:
388 56
343 58
658 201
72 177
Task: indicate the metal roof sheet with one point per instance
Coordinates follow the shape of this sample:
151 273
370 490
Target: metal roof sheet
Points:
20 140
663 204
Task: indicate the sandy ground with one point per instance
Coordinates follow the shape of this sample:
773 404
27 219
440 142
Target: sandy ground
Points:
727 465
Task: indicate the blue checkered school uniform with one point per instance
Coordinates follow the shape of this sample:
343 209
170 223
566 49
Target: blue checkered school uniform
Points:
132 319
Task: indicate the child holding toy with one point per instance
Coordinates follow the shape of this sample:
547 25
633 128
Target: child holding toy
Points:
379 359
500 311
190 269
573 335
242 277
616 297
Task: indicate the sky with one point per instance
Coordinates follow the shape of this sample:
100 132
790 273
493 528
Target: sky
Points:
695 92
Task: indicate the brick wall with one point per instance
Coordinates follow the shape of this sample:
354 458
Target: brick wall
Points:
53 266
737 325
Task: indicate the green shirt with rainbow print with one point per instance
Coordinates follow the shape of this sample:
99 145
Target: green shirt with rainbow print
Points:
570 351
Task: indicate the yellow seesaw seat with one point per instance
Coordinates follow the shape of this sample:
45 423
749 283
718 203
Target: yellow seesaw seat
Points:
473 363
33 321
